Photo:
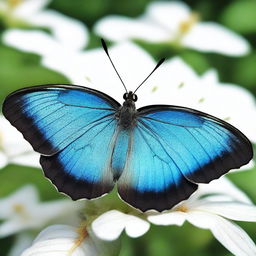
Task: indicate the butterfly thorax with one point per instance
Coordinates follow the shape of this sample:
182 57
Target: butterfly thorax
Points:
126 115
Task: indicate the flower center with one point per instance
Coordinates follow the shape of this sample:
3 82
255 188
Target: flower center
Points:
82 234
20 210
13 3
186 25
182 208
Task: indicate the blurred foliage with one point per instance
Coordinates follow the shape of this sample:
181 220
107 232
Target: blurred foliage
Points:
18 69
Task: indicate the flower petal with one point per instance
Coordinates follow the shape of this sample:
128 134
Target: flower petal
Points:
26 195
170 218
227 233
110 225
30 7
14 147
119 28
59 240
56 210
168 14
230 210
13 226
92 68
211 37
31 41
62 27
27 159
3 160
224 187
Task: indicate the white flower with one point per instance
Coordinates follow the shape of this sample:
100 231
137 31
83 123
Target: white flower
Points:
32 13
110 225
173 22
22 210
213 213
59 240
13 147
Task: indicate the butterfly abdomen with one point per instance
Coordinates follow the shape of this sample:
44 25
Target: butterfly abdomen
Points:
120 152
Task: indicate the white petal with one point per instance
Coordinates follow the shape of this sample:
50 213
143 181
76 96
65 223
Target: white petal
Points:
62 27
11 227
92 68
167 80
211 37
110 225
224 187
27 159
233 238
168 14
24 197
210 77
12 141
30 7
55 210
171 218
119 28
230 235
3 160
31 41
248 166
230 210
58 240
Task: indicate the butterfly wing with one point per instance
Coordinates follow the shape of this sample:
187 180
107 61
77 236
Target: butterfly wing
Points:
174 148
73 128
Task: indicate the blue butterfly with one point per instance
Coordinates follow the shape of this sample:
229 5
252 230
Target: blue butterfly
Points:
156 154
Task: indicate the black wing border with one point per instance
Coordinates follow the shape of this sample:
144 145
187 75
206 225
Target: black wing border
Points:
115 104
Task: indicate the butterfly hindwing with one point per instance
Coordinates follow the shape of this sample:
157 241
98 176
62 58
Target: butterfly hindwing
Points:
83 169
150 179
73 128
173 149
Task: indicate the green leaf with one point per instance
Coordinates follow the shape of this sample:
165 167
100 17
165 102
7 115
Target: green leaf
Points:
13 177
240 16
20 69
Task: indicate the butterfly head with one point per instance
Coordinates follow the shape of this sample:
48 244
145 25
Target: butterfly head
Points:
130 96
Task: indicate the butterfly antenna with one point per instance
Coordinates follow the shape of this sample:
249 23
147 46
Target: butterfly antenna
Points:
104 46
160 62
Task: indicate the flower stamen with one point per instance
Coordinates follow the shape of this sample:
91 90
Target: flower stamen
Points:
186 25
182 208
20 210
82 235
155 88
201 100
13 3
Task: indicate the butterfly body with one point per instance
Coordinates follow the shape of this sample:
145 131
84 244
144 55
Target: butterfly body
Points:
156 154
126 115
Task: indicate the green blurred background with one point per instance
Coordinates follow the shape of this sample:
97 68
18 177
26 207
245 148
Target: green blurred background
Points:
18 69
